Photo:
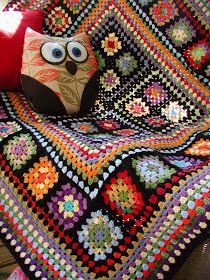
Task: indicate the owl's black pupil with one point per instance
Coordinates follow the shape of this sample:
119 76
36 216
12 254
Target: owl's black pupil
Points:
57 53
76 52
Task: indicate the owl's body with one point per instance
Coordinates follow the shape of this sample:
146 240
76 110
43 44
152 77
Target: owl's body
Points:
59 75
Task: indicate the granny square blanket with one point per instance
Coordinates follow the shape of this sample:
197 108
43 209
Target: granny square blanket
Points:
123 192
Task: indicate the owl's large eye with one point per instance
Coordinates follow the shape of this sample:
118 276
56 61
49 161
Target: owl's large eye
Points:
77 51
53 52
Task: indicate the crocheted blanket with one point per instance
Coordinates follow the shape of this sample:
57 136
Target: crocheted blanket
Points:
121 193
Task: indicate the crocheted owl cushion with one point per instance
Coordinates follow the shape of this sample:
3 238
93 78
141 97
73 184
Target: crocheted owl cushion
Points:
59 75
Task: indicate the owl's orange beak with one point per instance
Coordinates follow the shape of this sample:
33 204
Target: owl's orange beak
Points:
71 67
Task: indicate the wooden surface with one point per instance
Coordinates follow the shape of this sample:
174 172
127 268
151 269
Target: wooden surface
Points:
197 265
7 262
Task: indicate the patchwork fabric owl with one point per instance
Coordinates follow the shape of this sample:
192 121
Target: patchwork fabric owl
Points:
59 75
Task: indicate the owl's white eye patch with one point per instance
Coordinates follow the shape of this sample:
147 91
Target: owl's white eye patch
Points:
53 52
77 51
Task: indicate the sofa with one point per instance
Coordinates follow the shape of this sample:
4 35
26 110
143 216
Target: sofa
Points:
104 168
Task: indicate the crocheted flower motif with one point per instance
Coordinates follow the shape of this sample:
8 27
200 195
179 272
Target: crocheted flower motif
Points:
155 94
19 150
67 206
85 127
126 63
182 162
123 196
200 148
99 235
151 170
109 80
155 121
41 177
197 54
5 129
181 32
174 112
108 124
126 132
8 128
17 274
111 44
101 60
137 108
58 21
163 11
